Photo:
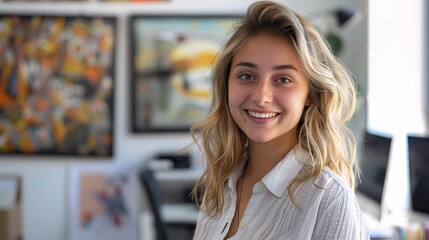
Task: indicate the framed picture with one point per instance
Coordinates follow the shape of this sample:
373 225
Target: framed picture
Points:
56 85
46 0
170 69
133 1
103 202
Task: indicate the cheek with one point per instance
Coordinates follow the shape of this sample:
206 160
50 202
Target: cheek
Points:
234 97
230 100
295 102
235 101
231 104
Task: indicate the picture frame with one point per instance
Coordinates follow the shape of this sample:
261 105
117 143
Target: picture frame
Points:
171 59
133 1
57 77
104 202
57 1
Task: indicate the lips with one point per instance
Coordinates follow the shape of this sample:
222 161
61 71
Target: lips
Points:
260 115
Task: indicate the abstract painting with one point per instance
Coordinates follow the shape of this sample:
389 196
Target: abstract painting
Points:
171 61
56 85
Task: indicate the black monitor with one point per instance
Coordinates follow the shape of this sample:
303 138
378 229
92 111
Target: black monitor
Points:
373 163
418 157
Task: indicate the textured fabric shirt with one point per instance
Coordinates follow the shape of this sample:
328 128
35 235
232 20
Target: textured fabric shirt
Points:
328 207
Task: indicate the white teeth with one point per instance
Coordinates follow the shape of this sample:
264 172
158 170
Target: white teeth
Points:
262 115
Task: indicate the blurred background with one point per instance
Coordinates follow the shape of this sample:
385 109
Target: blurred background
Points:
93 93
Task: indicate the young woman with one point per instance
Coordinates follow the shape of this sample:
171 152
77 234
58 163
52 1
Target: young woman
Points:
280 158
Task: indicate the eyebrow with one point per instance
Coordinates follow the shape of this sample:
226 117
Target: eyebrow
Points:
278 67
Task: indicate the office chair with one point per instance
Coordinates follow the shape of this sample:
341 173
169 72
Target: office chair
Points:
151 188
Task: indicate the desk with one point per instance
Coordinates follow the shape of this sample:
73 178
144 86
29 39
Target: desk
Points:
372 213
180 213
376 218
179 175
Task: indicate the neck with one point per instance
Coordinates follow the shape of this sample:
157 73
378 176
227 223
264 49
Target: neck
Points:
265 156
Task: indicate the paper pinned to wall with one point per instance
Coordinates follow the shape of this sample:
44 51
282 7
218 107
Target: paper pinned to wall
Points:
104 202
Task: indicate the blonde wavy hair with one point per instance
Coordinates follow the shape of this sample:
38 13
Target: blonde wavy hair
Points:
322 130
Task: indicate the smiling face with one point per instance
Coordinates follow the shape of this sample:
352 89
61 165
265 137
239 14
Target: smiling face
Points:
267 89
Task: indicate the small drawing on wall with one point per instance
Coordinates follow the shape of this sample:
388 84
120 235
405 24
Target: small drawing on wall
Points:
104 203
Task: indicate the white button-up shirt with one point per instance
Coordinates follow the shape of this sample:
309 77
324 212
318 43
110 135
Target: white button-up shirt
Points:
328 207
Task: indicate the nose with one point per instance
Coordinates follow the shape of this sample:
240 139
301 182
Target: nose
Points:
262 93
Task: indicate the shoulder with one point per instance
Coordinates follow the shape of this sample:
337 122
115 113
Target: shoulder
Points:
339 215
327 190
335 190
329 180
338 201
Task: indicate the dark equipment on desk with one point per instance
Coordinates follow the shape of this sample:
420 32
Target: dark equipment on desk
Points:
374 162
179 160
418 159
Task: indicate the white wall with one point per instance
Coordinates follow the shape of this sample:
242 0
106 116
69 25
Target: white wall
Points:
45 180
397 90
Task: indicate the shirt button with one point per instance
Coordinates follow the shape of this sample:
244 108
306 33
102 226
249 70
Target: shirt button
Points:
261 186
242 225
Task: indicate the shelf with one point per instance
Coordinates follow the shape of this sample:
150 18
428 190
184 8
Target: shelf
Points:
182 175
180 213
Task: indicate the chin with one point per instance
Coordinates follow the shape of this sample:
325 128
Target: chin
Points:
260 139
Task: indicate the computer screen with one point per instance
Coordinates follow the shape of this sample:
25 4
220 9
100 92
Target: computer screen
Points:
373 162
418 157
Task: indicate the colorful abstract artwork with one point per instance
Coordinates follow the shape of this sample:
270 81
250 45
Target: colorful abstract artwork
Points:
133 1
104 202
56 85
46 0
171 67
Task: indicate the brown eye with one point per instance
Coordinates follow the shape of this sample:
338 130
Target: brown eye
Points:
246 76
284 80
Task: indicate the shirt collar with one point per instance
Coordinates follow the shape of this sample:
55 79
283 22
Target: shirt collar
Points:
235 175
278 179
